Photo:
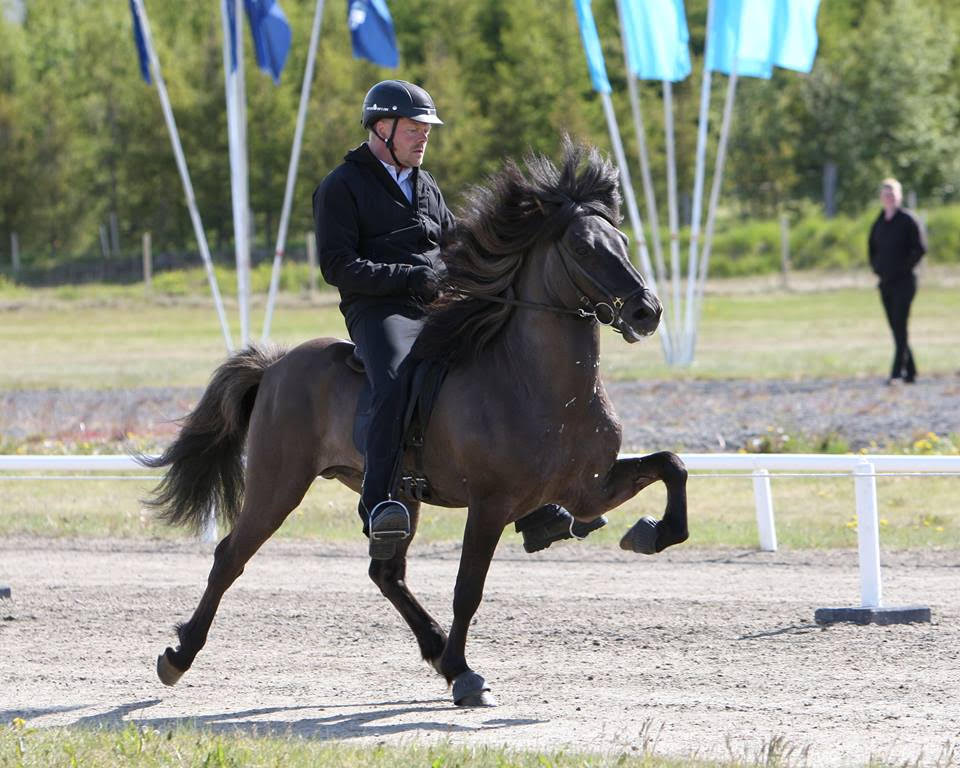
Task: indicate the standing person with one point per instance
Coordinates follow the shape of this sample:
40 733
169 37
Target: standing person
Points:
897 243
380 219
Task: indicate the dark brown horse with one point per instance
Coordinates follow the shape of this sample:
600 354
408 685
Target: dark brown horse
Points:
536 266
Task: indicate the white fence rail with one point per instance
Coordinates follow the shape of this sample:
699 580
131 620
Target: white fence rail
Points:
863 470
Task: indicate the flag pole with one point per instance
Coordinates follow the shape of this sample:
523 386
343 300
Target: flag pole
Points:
715 186
697 212
240 115
645 176
633 213
232 63
672 214
184 173
292 170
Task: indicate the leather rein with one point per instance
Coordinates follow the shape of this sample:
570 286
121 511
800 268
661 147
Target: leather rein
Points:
604 312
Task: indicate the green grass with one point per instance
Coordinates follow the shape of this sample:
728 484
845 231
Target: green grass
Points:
146 747
97 337
810 512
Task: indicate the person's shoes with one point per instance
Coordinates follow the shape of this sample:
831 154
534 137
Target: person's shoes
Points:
389 527
910 379
551 523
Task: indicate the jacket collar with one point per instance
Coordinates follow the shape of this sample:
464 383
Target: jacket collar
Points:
364 156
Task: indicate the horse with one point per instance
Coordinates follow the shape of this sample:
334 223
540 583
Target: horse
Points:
536 267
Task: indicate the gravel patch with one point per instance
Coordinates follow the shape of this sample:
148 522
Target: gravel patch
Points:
686 415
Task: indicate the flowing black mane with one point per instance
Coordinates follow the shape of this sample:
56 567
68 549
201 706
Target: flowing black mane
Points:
502 222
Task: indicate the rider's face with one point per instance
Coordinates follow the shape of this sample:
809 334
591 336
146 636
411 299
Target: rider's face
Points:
409 141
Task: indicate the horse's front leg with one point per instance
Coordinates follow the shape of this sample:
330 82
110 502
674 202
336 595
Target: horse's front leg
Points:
480 538
390 577
628 477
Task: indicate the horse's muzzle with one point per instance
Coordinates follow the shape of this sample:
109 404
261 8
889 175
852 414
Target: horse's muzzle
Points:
640 315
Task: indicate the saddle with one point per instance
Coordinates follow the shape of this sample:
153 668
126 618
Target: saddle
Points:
425 379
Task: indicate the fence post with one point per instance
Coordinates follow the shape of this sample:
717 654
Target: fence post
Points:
15 254
312 262
868 534
209 533
147 263
763 499
785 251
114 234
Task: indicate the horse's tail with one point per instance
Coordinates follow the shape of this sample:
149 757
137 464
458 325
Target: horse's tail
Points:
206 459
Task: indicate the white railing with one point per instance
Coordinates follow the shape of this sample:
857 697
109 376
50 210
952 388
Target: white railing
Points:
863 469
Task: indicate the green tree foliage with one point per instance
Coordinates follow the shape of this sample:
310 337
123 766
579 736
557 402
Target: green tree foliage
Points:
82 137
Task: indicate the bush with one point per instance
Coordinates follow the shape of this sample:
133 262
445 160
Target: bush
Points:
816 242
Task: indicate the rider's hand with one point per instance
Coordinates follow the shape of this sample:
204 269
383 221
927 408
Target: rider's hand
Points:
424 282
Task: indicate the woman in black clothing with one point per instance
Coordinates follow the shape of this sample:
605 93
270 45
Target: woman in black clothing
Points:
897 243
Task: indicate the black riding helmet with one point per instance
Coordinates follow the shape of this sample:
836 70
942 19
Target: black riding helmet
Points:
398 98
393 99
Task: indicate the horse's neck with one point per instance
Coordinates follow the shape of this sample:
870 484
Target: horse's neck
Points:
558 354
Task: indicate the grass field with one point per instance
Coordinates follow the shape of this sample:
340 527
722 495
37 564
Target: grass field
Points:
99 337
810 513
144 747
92 337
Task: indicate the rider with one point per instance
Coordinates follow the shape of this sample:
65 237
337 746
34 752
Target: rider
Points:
380 219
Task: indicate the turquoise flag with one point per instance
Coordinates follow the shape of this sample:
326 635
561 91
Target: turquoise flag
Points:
740 38
657 40
795 34
753 36
591 46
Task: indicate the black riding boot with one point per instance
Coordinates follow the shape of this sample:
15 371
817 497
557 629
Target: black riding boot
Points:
551 523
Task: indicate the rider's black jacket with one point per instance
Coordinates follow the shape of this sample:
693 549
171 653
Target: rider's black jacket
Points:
370 239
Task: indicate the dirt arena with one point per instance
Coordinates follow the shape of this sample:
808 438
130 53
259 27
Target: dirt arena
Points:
690 652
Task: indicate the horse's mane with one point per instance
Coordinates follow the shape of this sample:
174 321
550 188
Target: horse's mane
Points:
501 223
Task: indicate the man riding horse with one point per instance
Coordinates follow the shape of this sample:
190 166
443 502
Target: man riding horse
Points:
380 221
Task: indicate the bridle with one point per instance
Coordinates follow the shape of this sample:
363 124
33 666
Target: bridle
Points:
605 312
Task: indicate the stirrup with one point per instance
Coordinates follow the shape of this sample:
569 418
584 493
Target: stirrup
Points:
389 527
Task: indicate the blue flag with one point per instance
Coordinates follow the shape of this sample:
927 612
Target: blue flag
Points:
795 34
141 44
371 31
657 40
591 46
271 35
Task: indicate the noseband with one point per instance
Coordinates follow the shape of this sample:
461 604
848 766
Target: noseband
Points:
605 312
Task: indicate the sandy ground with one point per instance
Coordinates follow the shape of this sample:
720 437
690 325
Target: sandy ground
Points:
690 652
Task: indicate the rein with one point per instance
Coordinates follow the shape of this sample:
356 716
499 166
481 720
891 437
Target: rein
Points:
614 305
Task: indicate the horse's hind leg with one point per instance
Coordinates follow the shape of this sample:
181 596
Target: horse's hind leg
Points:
390 577
628 477
275 486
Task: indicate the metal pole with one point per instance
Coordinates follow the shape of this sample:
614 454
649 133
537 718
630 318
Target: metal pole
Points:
292 170
697 213
712 210
763 500
634 214
868 534
672 216
184 173
243 225
648 192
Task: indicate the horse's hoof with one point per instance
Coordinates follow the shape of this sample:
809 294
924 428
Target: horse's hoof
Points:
471 690
642 537
166 671
482 699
